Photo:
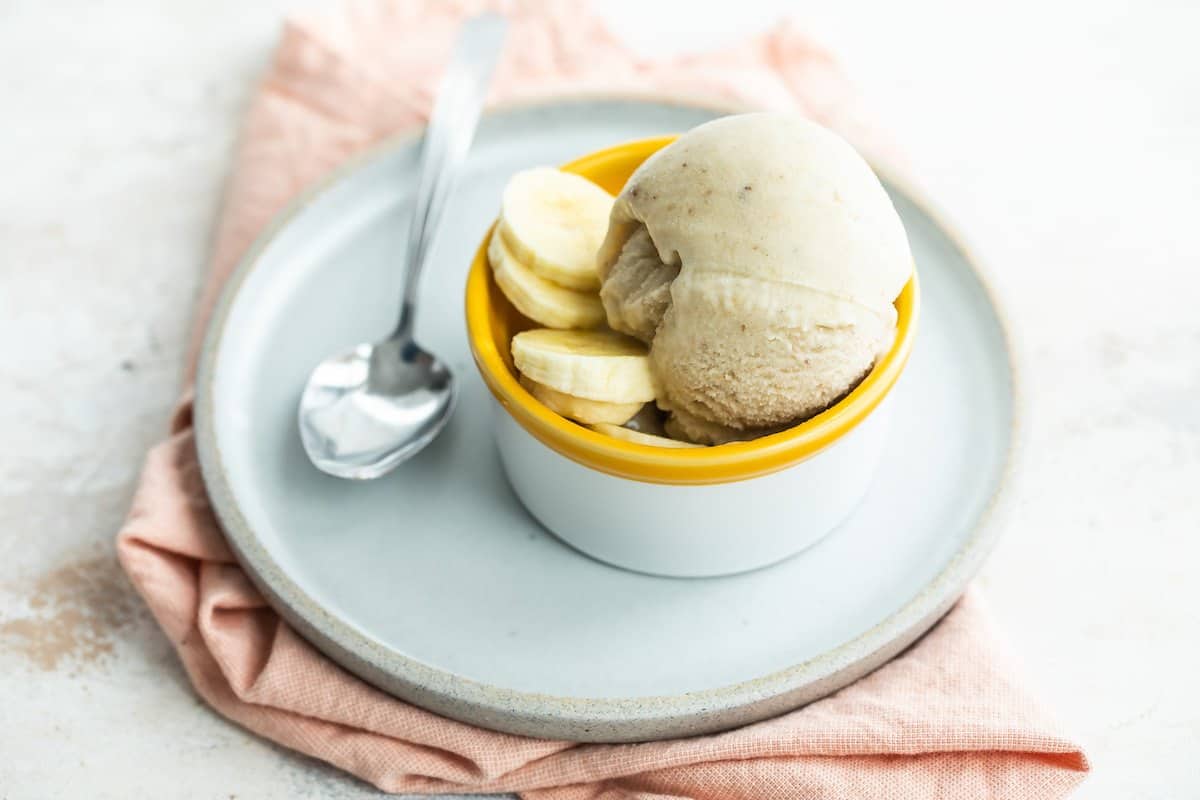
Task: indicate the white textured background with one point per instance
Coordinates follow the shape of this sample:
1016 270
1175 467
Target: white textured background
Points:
1064 139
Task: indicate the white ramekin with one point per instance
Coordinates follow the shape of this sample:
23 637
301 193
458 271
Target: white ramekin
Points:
697 530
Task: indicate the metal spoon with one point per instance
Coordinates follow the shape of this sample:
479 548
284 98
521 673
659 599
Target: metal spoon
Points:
365 411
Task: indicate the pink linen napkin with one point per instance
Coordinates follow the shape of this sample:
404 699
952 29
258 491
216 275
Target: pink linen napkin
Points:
945 719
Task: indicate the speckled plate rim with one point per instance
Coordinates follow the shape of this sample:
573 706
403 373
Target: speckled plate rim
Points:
591 719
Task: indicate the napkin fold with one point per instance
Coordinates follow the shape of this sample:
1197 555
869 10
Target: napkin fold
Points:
944 719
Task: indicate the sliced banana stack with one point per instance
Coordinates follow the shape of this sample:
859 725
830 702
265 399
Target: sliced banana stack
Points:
543 251
543 256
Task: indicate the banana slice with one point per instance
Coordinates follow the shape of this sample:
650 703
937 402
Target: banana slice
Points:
581 409
594 365
617 432
554 222
538 298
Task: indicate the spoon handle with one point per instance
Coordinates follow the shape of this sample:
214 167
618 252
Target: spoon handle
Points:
452 124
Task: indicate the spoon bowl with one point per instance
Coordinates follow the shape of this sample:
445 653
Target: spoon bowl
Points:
366 410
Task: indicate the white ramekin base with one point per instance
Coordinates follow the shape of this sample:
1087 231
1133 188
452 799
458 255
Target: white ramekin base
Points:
692 531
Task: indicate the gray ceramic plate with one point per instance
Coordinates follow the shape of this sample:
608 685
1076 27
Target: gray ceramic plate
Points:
435 585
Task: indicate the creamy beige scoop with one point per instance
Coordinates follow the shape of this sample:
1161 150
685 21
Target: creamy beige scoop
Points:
759 256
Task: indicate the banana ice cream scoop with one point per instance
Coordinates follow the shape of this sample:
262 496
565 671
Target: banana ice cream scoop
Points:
760 258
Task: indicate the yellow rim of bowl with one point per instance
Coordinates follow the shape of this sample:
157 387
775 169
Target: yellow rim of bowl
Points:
721 464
